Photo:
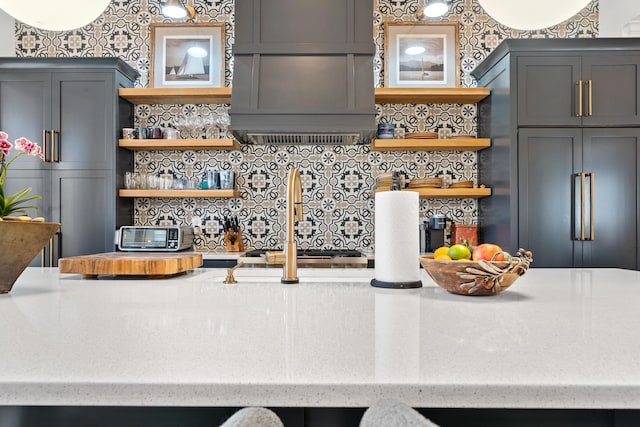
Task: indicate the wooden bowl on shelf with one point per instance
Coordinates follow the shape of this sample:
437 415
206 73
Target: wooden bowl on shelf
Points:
477 278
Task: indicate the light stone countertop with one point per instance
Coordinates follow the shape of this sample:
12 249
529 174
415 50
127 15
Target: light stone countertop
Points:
558 338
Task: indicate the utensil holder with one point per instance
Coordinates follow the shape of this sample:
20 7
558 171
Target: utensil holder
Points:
233 240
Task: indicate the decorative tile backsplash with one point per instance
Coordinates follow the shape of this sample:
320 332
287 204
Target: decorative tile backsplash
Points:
337 180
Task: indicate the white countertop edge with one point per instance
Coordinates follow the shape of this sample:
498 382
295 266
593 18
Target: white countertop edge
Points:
330 395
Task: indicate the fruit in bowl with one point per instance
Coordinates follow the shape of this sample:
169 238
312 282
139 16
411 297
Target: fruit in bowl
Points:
478 278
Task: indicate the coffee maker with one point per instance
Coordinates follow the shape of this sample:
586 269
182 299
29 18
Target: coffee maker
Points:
435 232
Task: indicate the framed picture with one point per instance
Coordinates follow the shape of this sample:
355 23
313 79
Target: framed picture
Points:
187 55
421 54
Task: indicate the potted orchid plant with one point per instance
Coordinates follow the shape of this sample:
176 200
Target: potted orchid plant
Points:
15 203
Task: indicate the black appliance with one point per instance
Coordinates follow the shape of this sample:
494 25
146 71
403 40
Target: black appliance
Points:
435 234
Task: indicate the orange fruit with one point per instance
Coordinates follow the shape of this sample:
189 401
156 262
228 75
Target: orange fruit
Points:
442 257
442 250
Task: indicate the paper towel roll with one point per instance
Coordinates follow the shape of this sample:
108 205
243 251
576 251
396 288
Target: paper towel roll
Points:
397 240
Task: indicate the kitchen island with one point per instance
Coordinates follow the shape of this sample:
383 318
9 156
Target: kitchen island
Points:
557 339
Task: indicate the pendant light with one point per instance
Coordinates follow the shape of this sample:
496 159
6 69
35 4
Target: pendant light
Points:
529 15
434 9
60 15
177 10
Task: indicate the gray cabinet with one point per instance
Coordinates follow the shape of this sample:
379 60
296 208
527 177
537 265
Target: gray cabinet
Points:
588 90
552 144
578 196
71 107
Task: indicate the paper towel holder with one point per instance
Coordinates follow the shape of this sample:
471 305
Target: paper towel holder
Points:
396 285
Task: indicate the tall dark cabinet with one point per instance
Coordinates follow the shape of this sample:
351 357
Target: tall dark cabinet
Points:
564 119
71 107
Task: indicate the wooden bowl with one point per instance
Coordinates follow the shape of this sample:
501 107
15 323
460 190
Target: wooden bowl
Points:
477 278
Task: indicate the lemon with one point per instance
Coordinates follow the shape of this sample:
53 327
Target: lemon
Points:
442 257
442 250
459 252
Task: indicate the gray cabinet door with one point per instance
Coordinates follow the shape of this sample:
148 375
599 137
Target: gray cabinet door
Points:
82 203
25 110
612 91
548 160
84 120
597 90
558 219
612 157
548 93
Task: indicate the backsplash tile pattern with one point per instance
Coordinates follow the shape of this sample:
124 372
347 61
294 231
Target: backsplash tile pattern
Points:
337 180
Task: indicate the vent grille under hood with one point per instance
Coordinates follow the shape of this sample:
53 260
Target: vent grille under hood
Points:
303 72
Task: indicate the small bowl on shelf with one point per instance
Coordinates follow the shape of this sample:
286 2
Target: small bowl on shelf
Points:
477 278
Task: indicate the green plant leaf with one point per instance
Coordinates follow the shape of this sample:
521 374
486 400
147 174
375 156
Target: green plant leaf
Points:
16 202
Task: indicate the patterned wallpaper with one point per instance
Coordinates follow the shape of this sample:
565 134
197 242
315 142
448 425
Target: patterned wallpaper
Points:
337 180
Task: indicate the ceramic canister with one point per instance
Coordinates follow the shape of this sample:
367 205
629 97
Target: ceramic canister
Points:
386 130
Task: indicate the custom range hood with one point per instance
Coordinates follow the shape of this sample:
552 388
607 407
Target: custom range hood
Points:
303 72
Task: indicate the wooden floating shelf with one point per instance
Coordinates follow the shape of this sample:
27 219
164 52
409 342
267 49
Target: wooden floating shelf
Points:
179 144
450 193
383 95
219 95
180 193
467 144
453 95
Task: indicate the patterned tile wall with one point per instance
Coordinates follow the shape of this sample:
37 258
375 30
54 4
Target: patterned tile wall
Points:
337 180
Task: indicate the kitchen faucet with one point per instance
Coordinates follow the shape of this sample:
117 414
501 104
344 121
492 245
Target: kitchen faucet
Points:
294 209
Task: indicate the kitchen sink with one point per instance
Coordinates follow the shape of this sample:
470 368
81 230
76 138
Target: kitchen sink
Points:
306 275
309 258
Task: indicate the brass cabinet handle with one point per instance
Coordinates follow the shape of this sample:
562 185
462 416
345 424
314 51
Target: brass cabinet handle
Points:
590 98
582 176
51 252
44 145
592 179
55 158
43 251
42 254
579 83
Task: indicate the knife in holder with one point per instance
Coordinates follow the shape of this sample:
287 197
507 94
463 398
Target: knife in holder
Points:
233 239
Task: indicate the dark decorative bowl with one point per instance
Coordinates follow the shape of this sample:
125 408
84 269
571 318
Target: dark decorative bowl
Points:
477 278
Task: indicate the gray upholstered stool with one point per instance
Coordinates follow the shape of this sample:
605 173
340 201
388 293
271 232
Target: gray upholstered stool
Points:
392 413
253 417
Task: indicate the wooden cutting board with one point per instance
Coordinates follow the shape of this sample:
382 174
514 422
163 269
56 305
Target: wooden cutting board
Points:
152 264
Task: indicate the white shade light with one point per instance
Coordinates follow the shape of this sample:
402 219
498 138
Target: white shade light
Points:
177 10
532 15
58 15
435 8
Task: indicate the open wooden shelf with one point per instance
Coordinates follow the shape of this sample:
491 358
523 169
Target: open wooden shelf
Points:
179 144
218 95
467 144
449 193
453 95
383 95
180 193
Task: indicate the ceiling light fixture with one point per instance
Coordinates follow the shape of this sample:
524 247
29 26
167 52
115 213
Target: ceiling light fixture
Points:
177 10
60 15
434 9
528 15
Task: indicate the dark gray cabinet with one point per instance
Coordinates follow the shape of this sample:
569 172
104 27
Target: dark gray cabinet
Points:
586 90
578 196
71 107
563 163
